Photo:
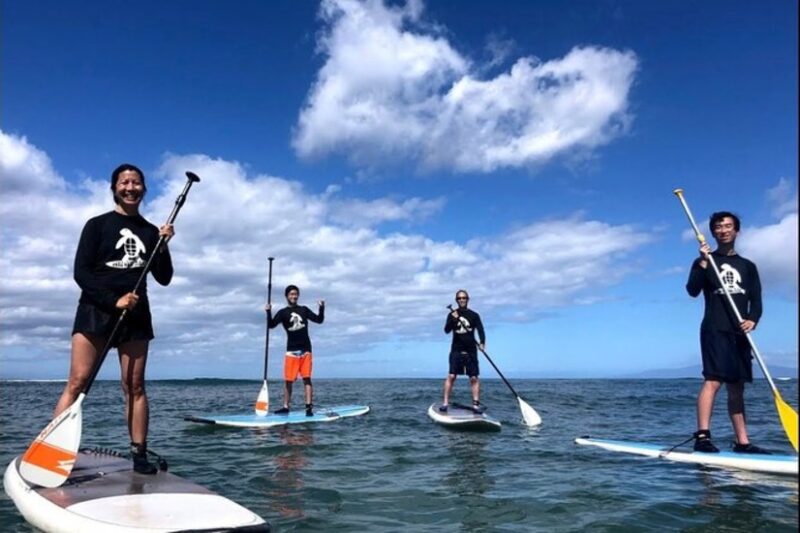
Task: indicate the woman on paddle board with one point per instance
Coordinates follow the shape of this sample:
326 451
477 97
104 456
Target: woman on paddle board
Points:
463 322
298 358
726 351
111 254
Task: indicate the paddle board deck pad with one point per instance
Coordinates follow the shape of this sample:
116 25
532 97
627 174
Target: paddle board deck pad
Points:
462 417
773 464
328 414
103 493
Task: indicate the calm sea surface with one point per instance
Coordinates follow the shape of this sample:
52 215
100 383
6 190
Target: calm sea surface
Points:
393 469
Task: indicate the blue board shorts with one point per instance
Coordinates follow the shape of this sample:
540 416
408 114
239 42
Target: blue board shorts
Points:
727 356
464 363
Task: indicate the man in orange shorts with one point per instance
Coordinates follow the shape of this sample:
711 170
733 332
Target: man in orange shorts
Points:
298 357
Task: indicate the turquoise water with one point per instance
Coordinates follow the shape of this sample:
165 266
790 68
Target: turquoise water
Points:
393 469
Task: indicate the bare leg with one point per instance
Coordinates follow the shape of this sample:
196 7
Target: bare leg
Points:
736 412
309 390
475 385
132 361
705 403
449 381
85 349
287 393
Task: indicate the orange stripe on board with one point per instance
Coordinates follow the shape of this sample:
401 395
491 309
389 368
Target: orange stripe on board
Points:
262 406
50 458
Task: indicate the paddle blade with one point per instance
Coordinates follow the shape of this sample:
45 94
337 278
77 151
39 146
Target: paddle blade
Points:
788 419
49 460
262 402
529 414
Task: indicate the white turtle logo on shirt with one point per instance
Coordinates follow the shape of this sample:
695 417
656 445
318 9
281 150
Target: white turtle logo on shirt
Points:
132 247
463 326
296 322
731 279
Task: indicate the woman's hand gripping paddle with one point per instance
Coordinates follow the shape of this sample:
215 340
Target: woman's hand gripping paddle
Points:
529 414
787 414
49 460
262 402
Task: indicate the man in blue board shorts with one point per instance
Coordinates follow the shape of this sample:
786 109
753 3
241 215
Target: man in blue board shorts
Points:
463 322
298 358
727 356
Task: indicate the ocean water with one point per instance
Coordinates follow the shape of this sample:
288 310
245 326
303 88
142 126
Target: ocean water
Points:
394 469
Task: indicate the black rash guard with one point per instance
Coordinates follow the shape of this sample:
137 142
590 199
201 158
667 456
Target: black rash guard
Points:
463 330
111 254
741 279
295 322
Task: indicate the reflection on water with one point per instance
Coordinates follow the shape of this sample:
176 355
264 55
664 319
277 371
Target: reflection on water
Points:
286 497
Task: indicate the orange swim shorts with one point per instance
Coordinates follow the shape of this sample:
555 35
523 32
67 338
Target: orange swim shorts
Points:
295 363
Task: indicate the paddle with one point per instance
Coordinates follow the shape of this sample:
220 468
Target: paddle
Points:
787 414
529 414
50 458
262 402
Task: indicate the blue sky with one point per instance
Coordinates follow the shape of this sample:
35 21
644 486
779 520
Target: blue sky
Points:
387 155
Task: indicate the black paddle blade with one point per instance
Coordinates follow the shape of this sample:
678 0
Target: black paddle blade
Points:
192 176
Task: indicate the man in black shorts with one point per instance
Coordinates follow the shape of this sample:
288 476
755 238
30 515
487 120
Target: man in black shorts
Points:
727 356
463 351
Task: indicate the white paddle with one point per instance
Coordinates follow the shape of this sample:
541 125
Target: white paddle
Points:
48 461
262 402
529 414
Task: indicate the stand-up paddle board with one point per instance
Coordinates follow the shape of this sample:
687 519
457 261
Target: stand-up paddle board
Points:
774 464
328 414
103 493
463 417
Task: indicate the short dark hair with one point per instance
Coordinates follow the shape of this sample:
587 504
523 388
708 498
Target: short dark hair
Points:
290 288
717 217
119 170
459 291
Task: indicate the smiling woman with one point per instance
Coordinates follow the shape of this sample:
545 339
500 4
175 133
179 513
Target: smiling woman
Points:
113 253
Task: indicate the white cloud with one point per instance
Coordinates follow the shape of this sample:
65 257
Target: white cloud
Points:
774 250
379 287
783 197
391 87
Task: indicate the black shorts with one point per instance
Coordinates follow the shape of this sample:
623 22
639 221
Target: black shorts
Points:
136 326
464 363
727 356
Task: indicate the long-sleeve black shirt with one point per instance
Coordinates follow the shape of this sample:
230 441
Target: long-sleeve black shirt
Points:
295 322
742 281
111 254
463 330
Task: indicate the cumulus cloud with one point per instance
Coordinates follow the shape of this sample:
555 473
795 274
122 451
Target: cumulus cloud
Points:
392 86
379 286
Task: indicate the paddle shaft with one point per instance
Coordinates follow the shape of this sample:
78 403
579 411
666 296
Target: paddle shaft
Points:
191 178
478 344
269 302
701 239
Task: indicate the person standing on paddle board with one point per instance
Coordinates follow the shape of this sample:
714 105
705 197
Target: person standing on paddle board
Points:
726 351
298 357
463 322
112 251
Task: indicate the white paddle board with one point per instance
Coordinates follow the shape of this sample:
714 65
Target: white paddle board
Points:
103 493
462 417
773 464
328 414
